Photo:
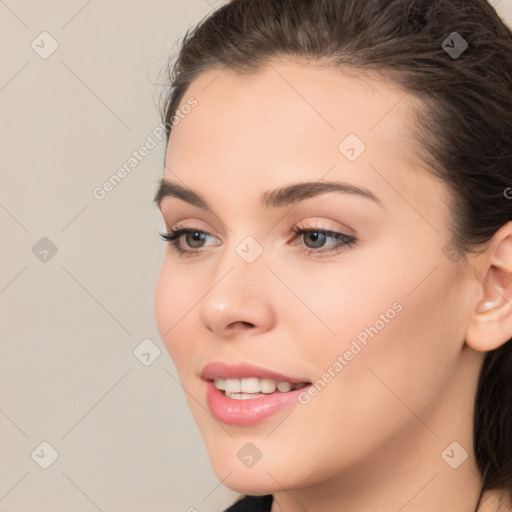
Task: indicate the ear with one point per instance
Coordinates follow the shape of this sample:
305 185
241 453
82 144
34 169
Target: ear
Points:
491 322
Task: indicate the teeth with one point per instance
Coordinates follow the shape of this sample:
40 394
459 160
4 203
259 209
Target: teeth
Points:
284 386
232 385
243 396
267 385
252 386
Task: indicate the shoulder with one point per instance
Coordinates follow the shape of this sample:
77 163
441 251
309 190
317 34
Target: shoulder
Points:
252 504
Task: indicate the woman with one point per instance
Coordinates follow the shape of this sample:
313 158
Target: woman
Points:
336 293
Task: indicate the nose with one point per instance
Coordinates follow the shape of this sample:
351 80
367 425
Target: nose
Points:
239 299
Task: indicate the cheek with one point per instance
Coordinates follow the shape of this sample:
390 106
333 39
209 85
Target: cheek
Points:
396 303
173 302
397 325
395 359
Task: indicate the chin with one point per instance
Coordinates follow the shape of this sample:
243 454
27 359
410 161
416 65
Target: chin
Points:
249 481
268 475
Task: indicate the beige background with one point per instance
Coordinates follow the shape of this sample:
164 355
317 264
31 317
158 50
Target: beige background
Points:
70 321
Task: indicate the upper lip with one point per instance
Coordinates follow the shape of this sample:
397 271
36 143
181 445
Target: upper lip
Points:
221 370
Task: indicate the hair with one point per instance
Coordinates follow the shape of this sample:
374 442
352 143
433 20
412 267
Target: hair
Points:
463 128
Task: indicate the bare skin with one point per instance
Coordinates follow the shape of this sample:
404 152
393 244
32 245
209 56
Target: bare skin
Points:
373 437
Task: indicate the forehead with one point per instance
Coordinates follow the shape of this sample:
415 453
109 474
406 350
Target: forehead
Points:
289 101
290 122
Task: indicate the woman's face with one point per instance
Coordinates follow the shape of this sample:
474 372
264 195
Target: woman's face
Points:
377 326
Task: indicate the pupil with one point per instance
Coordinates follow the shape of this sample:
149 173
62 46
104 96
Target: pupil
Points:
196 236
316 236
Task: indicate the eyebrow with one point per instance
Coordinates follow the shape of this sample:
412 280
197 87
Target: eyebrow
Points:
290 194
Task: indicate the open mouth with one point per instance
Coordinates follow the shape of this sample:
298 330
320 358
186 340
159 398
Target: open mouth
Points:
250 400
253 387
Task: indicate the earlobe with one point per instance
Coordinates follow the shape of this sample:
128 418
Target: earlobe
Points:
491 322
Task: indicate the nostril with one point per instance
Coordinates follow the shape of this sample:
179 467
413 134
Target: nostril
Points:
245 324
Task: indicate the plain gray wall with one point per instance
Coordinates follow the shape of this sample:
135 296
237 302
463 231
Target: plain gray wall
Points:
71 319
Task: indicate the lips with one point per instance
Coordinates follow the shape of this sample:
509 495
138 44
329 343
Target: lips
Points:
221 370
251 409
247 412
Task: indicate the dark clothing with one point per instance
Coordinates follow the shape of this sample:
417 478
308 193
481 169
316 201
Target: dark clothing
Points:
252 504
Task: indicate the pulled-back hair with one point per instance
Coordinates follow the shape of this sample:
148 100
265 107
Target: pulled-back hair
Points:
463 128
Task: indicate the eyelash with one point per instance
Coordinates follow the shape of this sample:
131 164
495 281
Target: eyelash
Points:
173 235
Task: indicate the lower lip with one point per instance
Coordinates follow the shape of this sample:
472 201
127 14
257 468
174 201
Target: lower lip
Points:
248 412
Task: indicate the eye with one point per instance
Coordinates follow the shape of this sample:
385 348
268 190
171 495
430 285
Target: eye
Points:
195 238
318 238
